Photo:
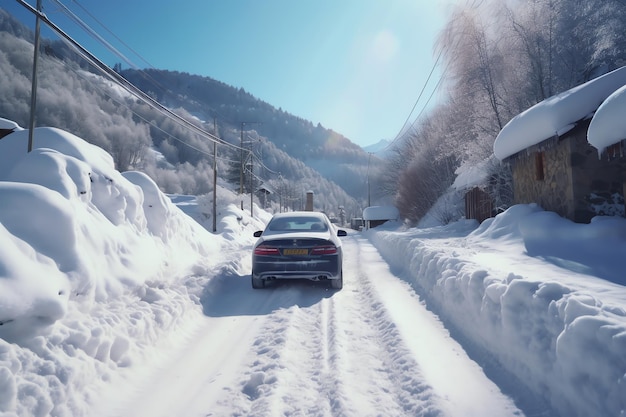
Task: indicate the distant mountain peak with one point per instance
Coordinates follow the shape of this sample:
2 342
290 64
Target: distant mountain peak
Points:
378 147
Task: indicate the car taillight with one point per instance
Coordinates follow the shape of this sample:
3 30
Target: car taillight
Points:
324 250
264 250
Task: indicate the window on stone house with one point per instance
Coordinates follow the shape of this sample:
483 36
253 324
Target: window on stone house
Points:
614 151
539 166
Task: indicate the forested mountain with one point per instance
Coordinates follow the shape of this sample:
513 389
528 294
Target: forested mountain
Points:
282 153
322 149
500 58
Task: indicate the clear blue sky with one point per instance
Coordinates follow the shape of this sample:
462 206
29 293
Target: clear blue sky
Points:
355 66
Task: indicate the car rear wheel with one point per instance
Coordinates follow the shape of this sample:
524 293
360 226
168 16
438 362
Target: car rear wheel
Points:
337 283
257 283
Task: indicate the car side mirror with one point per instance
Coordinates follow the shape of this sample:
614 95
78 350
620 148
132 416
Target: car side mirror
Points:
258 233
342 233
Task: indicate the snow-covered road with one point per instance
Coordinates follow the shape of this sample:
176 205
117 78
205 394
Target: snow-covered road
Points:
301 349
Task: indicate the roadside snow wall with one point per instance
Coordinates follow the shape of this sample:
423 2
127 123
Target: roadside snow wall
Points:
566 345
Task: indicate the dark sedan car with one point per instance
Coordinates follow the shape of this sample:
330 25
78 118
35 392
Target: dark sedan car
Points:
298 245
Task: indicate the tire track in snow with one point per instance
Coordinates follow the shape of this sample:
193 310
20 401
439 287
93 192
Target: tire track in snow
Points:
301 349
293 361
395 386
338 356
459 384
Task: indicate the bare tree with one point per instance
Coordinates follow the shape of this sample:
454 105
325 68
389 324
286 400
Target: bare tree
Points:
473 61
422 183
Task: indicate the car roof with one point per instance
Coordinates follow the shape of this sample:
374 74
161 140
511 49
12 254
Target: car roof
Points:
296 214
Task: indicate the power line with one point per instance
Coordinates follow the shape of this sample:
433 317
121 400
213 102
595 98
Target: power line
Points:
148 122
94 34
428 101
108 45
90 31
121 81
146 76
112 49
265 166
402 129
110 32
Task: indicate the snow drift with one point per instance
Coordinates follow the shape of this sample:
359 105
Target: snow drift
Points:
524 290
93 231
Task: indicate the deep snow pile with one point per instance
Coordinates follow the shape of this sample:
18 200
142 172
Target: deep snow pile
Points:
534 294
96 266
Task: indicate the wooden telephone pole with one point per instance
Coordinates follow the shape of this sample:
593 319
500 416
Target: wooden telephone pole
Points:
33 89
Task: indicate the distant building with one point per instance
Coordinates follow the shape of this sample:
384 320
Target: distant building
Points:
357 223
263 192
309 201
376 215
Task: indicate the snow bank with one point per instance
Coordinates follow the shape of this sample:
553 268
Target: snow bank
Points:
97 268
94 232
556 115
534 305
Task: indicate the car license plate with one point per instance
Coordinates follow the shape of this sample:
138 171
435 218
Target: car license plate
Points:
292 252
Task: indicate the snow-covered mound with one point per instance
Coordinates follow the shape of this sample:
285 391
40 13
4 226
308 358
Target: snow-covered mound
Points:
93 230
95 267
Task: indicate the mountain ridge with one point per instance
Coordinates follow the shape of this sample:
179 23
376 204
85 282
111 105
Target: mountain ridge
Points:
234 111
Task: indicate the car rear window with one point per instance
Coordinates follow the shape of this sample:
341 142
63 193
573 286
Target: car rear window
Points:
299 224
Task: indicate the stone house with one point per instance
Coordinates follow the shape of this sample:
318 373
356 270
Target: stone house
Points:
564 174
552 160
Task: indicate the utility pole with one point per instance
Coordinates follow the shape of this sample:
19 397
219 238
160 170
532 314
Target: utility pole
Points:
368 179
215 177
280 193
251 170
251 183
241 146
241 166
33 89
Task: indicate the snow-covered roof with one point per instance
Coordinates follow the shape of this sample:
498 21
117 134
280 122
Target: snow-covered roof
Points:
381 213
608 125
267 188
557 114
9 124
